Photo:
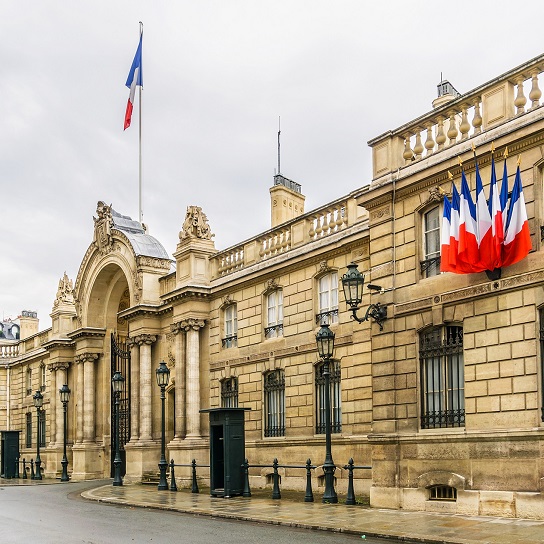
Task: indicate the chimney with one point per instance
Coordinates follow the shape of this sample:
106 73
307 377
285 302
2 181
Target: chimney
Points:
286 200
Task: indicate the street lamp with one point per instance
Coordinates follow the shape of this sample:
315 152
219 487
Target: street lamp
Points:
352 283
325 347
163 376
38 403
117 382
64 393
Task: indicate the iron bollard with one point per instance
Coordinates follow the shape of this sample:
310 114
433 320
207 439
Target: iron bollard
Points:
24 469
195 483
350 499
276 478
32 475
173 486
309 497
247 491
17 475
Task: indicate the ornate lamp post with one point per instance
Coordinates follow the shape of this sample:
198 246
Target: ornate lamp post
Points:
38 403
325 348
163 377
117 382
64 393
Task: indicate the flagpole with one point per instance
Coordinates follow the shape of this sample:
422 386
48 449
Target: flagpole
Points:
141 215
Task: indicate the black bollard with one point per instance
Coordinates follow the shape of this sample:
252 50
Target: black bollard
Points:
17 475
32 475
350 499
24 469
247 490
309 497
173 486
195 483
276 479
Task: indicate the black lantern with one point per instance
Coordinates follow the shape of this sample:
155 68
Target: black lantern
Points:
352 283
38 403
163 377
64 393
117 382
325 342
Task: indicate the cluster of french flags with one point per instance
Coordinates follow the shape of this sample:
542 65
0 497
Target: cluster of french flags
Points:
491 234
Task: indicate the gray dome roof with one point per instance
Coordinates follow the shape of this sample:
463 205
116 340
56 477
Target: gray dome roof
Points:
142 243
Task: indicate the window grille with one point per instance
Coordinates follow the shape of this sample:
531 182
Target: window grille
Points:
28 442
430 266
327 299
335 398
442 378
274 395
442 493
229 393
541 319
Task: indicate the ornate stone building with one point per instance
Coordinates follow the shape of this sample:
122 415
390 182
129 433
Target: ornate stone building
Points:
445 402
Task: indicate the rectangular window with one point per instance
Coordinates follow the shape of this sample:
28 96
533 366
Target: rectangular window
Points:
42 378
335 398
28 442
28 381
274 314
274 405
230 340
229 393
327 299
442 378
430 266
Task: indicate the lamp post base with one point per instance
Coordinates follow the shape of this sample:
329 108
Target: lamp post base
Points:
64 476
163 483
330 496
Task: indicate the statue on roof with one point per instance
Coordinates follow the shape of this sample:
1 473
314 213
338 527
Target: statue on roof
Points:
195 225
102 227
65 292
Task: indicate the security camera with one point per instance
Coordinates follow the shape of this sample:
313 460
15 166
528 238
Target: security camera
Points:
375 287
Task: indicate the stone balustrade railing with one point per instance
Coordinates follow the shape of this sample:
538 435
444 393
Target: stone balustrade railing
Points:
295 233
9 351
509 96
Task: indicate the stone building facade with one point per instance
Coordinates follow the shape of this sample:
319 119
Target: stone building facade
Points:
445 403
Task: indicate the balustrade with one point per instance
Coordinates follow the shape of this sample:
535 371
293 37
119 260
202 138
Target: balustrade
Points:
9 351
276 242
328 221
511 95
230 260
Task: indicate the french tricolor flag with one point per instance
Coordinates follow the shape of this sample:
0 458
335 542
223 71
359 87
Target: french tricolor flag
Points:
517 238
485 227
446 251
135 78
468 252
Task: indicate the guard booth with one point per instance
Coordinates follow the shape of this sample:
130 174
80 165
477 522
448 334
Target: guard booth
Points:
9 453
227 451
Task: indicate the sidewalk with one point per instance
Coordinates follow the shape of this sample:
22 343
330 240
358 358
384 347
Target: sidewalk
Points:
419 526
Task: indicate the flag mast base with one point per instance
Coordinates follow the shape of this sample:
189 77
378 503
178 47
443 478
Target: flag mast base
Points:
493 274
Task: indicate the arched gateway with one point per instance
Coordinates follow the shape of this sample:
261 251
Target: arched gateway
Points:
119 271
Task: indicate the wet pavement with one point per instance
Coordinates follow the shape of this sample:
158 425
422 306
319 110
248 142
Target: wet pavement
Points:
359 520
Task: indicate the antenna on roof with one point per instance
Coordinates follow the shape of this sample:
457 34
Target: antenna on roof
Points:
279 132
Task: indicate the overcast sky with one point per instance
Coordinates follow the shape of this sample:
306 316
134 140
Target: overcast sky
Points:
217 75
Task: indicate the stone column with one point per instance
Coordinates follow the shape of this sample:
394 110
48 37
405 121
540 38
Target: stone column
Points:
192 328
80 399
89 406
59 376
145 341
179 350
135 390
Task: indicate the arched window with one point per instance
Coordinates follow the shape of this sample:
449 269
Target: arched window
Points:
274 403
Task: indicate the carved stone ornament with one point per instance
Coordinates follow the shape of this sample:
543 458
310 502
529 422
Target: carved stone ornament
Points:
195 225
65 292
102 228
436 194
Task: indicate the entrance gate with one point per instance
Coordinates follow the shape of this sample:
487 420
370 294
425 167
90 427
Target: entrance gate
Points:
120 361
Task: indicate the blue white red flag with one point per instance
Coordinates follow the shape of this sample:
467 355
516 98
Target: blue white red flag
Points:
135 78
468 252
445 246
517 238
495 211
485 232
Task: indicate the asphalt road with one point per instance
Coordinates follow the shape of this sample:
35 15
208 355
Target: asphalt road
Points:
56 514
